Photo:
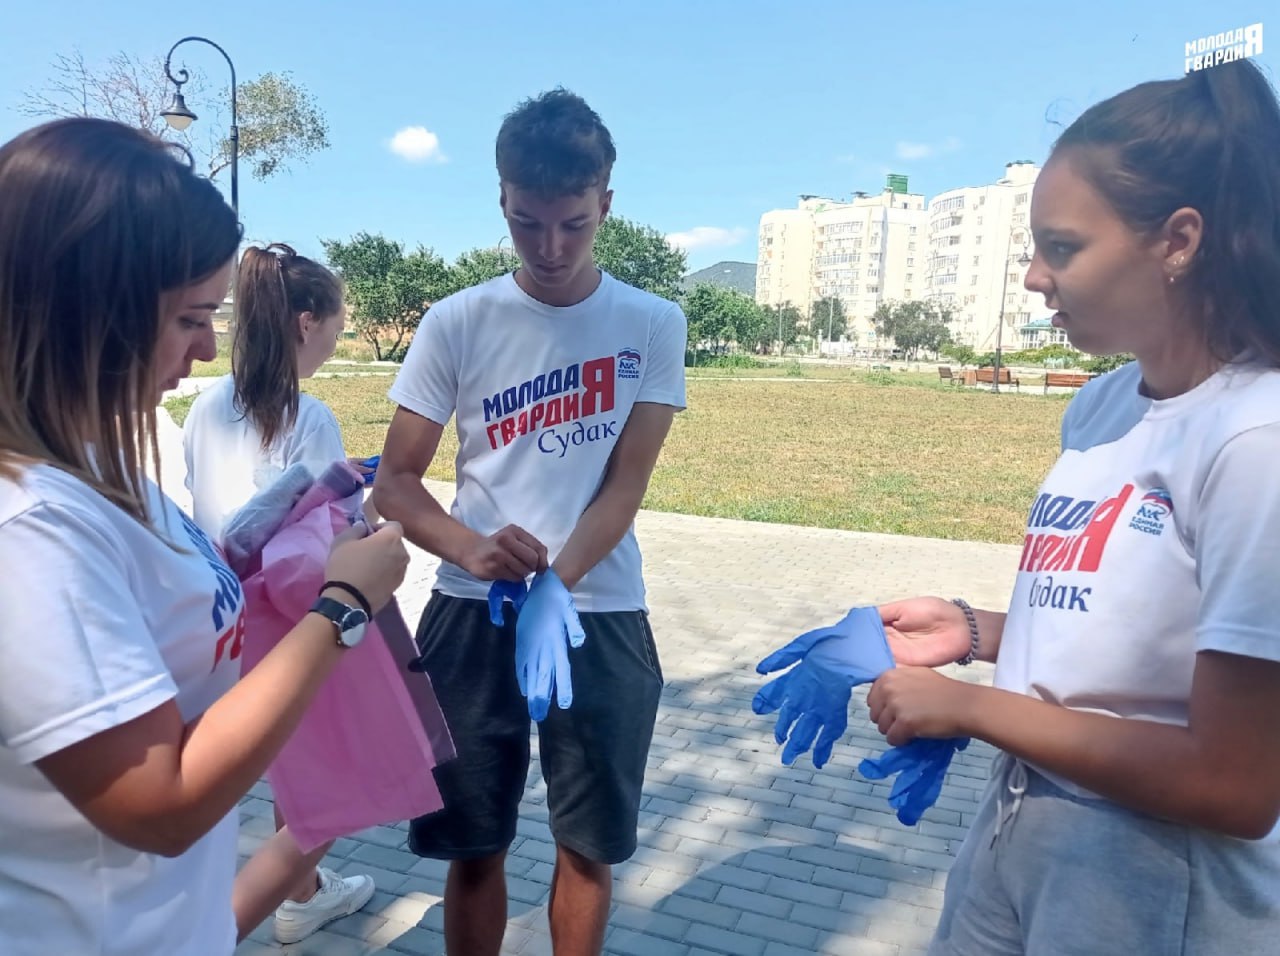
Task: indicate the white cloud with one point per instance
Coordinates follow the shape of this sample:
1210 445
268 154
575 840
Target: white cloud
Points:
914 150
417 144
706 237
908 150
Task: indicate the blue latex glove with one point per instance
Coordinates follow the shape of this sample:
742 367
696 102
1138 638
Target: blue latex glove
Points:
812 699
515 591
371 463
547 626
921 766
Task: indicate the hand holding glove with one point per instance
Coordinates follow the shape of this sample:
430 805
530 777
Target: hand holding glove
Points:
547 626
812 699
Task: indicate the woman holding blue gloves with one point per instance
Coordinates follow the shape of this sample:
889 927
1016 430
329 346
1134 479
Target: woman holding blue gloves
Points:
1134 804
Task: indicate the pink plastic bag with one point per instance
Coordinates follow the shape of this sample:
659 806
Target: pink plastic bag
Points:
364 751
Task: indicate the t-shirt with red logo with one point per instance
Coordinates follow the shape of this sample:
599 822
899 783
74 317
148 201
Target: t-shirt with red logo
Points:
104 621
1155 536
541 394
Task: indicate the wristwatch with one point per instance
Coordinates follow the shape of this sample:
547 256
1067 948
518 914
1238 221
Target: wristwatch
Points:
349 621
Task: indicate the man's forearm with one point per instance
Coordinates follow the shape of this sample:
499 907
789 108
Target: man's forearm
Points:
597 532
426 523
614 508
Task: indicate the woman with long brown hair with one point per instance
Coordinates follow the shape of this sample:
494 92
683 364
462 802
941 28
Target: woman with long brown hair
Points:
126 738
247 428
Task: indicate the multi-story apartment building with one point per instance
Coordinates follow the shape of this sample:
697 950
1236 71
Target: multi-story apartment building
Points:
960 250
977 235
863 251
784 260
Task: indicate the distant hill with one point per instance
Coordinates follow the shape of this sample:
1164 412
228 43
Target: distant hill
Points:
740 276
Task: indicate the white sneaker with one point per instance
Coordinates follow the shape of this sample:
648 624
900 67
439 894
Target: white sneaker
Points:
336 898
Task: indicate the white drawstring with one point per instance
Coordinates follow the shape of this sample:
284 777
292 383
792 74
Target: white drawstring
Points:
1015 781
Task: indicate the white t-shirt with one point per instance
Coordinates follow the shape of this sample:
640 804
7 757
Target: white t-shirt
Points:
1155 536
541 394
226 464
173 468
104 622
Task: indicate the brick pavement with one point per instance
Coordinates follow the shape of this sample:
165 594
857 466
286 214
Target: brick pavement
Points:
738 854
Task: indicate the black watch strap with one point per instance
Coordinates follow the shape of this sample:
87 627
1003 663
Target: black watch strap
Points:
353 591
339 614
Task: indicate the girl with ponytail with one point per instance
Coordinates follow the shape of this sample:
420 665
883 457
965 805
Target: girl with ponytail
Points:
241 434
1134 802
246 429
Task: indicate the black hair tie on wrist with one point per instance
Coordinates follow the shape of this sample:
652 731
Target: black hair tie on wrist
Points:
354 592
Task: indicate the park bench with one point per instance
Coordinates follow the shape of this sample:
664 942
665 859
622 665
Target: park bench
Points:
986 376
944 374
1065 380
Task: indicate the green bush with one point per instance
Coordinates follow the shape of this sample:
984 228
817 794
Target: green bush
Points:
1100 364
963 354
704 359
1055 355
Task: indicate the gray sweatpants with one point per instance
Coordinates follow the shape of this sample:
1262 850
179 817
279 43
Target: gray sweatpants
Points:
1066 876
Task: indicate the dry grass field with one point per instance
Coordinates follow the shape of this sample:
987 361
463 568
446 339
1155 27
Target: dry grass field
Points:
893 453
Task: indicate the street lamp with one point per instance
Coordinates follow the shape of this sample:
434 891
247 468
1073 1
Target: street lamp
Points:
179 117
502 256
1022 260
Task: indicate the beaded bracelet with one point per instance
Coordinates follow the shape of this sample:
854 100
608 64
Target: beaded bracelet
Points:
972 621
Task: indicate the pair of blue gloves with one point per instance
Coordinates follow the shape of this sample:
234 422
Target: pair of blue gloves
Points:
547 625
812 701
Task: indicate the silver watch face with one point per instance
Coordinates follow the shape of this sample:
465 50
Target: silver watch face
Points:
352 627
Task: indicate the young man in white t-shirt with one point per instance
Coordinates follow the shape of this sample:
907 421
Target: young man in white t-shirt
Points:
564 382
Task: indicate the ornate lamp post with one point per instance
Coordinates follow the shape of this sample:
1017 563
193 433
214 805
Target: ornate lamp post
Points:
179 117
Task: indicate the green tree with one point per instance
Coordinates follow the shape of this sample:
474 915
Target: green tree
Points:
913 325
827 319
961 354
279 123
935 332
719 316
751 325
279 120
640 256
387 290
782 326
480 265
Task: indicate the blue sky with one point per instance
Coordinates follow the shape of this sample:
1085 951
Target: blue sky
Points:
720 110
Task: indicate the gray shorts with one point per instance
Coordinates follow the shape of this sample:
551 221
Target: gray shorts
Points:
593 755
1076 877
